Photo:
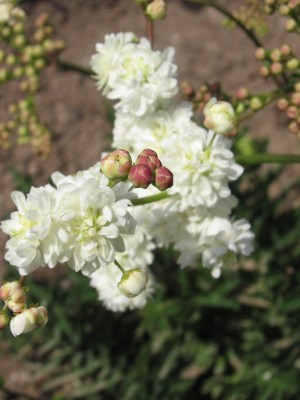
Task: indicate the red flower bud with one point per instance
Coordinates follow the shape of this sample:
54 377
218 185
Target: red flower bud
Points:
163 178
152 161
141 176
148 152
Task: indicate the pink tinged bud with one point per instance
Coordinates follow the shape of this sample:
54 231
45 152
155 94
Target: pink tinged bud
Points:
242 93
14 296
296 98
276 68
152 161
116 165
260 53
292 112
264 71
293 127
148 152
282 104
286 50
28 320
133 282
4 320
141 176
163 178
157 9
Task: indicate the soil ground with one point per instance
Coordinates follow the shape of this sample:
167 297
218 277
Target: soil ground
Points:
77 113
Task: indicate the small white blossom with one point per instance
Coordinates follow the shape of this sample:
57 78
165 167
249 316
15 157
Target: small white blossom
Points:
30 229
8 11
219 116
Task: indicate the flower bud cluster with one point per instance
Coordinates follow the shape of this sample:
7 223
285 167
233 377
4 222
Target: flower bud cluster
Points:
24 319
22 60
290 104
147 169
277 61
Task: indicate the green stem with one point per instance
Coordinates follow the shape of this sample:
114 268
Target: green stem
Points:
228 14
150 199
263 158
67 66
119 266
22 280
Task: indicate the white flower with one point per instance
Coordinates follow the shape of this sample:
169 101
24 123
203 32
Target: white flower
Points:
133 282
92 217
153 131
29 320
131 72
8 11
219 116
105 280
202 165
30 229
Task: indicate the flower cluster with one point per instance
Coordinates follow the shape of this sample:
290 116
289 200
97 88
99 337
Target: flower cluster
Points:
196 218
79 221
25 319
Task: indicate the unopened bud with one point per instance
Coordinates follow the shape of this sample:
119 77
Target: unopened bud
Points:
295 98
219 116
292 64
151 160
290 25
116 165
282 104
242 93
286 49
14 296
141 176
157 9
29 320
276 55
292 112
260 53
284 9
4 320
276 68
255 103
163 178
264 71
293 127
133 282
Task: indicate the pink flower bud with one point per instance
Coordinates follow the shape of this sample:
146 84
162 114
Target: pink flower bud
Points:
163 178
29 320
152 161
116 165
4 320
141 176
148 152
14 296
133 282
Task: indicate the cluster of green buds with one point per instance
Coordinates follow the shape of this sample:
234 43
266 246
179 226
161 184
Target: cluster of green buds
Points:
291 10
154 9
15 311
147 169
291 106
23 56
277 62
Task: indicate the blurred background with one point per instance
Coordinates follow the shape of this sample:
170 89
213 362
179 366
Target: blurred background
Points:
235 338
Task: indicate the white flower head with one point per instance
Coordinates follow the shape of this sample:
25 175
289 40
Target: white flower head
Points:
30 229
8 11
92 217
128 70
